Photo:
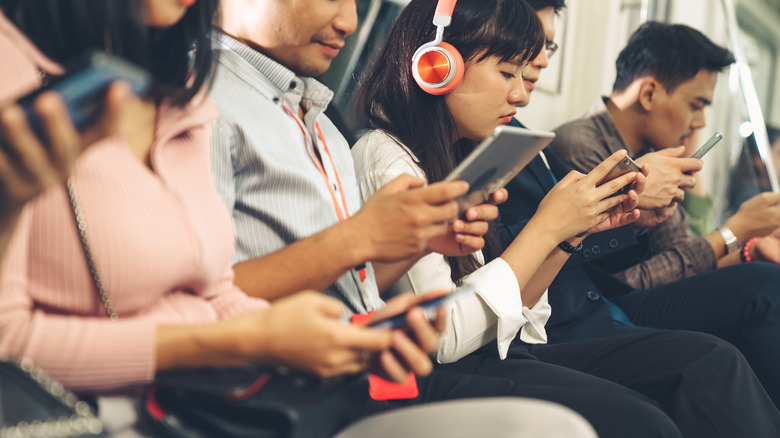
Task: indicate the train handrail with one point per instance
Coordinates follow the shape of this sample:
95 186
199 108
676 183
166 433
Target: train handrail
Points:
755 114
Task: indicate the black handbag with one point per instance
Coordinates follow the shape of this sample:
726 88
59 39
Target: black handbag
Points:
253 402
34 405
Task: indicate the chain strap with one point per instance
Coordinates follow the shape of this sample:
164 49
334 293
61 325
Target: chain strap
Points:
82 228
82 422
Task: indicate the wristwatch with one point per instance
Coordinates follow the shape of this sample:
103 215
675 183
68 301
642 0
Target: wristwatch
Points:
568 247
732 243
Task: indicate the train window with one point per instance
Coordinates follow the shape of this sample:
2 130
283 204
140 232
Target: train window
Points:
750 172
375 18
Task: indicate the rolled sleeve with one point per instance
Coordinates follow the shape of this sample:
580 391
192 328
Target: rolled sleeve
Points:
533 331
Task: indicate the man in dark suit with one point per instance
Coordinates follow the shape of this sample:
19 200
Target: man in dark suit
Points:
579 308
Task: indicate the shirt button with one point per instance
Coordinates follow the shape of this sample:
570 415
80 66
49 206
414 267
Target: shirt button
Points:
293 85
586 253
613 243
276 100
593 296
596 250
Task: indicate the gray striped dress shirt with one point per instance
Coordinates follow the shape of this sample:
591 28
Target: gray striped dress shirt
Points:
264 166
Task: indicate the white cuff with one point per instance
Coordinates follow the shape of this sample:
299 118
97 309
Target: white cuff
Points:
533 331
496 285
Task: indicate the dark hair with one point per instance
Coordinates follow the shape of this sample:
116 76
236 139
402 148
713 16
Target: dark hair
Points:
538 5
671 53
64 29
389 99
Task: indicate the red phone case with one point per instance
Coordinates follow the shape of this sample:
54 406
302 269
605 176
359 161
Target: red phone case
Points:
381 389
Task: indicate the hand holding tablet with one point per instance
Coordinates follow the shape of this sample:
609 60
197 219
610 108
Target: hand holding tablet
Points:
497 160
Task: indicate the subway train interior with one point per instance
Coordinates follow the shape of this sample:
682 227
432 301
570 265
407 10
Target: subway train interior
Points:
390 218
590 34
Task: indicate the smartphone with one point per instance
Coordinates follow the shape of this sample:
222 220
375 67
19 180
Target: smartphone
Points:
708 145
83 87
429 309
625 166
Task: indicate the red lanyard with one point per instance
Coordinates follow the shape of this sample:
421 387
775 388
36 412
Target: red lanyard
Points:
342 215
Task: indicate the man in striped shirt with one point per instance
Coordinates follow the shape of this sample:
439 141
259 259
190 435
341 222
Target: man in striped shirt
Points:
286 172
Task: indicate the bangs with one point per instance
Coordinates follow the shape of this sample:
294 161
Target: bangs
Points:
511 32
511 35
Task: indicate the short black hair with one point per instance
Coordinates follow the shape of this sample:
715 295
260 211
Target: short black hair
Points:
538 5
64 29
671 53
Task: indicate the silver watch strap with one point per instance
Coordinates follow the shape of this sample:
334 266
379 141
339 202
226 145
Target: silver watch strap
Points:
732 243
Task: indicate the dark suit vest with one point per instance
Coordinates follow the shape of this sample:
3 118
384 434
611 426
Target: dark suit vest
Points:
576 294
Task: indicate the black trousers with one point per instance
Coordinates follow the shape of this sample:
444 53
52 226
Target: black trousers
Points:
740 304
657 384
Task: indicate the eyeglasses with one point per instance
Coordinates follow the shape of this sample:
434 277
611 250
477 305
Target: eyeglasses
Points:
550 47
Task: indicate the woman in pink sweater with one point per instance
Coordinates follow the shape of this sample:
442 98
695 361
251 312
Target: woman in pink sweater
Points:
159 236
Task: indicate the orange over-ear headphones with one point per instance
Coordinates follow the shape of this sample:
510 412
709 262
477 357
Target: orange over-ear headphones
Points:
437 67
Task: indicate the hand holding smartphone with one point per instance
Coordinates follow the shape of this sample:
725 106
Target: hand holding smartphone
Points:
83 88
429 309
625 166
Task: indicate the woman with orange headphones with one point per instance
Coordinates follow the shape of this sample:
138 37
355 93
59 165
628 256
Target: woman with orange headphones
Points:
428 117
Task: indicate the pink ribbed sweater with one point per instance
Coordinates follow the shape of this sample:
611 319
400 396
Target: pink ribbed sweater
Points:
162 241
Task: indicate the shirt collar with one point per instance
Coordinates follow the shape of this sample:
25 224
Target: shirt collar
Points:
290 87
598 106
600 115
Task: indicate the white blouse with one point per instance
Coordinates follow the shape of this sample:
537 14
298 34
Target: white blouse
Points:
496 311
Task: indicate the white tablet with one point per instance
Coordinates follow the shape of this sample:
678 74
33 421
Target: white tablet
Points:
497 160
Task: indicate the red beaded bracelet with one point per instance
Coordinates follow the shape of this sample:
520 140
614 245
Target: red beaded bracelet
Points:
745 254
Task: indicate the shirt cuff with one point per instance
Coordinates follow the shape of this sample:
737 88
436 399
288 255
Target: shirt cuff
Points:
497 286
533 331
